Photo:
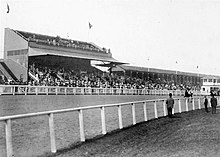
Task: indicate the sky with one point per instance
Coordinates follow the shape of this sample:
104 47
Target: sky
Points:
179 35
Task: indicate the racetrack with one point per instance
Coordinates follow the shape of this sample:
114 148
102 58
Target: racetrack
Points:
19 104
31 136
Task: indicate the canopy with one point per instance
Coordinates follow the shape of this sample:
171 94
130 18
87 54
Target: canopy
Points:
42 50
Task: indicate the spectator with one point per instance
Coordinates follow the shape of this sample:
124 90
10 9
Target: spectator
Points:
206 103
170 104
213 102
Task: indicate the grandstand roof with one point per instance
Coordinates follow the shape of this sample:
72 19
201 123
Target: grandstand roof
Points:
42 50
153 70
58 41
49 45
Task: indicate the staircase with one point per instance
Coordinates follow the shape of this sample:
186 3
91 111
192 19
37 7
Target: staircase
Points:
60 77
33 76
7 72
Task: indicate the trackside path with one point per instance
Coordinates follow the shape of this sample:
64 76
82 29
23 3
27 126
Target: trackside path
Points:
191 134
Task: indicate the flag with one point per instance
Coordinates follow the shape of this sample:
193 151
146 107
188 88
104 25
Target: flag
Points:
90 25
8 9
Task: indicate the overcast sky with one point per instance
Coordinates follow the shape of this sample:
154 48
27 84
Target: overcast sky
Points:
165 34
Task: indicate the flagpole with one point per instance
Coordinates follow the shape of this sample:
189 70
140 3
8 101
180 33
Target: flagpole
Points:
90 26
6 18
176 72
88 31
148 60
176 66
88 35
197 69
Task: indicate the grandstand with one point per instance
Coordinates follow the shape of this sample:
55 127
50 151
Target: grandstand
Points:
23 49
42 60
173 79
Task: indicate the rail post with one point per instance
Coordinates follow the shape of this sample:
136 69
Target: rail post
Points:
83 91
179 101
56 90
47 90
74 91
90 91
81 126
145 111
120 117
187 109
13 90
193 104
209 102
65 91
25 90
105 90
36 88
155 109
164 108
52 134
8 135
133 113
103 120
199 103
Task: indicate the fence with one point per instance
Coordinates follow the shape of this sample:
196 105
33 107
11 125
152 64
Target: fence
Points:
181 107
56 90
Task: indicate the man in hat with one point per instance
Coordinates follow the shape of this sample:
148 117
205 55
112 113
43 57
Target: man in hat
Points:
170 104
213 103
206 103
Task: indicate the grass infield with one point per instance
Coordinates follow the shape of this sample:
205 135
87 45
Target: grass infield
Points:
189 134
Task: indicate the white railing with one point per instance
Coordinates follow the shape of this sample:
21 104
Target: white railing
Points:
57 90
8 119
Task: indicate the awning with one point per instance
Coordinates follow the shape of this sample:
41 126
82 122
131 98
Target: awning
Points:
73 53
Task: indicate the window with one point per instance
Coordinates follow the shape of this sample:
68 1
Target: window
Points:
214 80
205 80
210 80
218 81
17 52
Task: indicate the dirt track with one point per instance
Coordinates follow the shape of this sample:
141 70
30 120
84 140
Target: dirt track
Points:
195 133
31 135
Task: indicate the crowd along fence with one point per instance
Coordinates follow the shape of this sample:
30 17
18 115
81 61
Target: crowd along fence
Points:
58 90
182 106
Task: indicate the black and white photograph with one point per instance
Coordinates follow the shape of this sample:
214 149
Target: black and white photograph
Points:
109 78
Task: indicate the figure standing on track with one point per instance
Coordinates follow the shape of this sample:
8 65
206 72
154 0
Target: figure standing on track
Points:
213 104
170 104
206 104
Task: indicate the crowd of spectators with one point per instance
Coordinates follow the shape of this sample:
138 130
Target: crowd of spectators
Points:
58 41
47 76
